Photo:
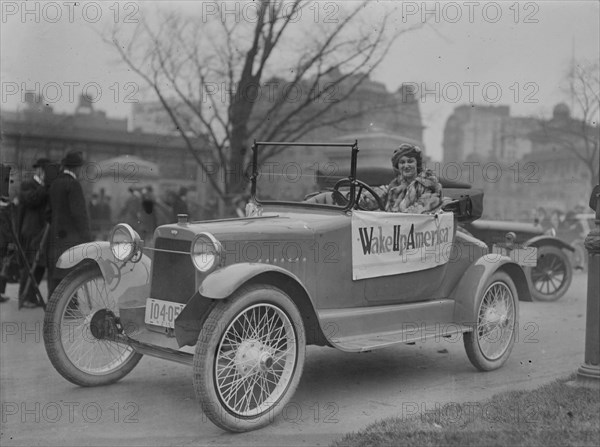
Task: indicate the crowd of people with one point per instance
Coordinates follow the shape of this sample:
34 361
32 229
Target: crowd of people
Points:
48 217
51 215
560 221
144 211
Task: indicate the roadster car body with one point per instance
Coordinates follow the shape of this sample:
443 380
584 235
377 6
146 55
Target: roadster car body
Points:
247 295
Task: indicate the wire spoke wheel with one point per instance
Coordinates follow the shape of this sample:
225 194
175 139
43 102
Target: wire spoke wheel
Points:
496 320
490 343
255 359
69 328
552 276
249 358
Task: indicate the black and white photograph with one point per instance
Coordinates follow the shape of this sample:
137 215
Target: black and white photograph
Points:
300 223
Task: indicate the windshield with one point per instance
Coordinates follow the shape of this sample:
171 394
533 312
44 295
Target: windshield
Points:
297 172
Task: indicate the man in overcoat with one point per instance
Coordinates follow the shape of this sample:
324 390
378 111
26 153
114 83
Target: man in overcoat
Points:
33 202
69 221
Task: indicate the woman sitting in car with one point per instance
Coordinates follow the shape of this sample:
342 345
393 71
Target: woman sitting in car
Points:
414 190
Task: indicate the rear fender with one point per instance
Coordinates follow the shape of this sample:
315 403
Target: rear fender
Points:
475 279
223 282
542 240
126 283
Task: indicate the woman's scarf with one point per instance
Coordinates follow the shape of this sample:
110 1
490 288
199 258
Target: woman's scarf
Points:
421 195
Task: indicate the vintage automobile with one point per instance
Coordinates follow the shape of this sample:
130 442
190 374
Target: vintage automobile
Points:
247 295
551 274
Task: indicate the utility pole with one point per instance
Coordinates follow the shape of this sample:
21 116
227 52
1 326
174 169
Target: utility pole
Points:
588 373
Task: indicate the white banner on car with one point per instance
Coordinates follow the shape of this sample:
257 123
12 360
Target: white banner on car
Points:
391 243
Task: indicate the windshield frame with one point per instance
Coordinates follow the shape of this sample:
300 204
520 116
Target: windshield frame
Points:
352 177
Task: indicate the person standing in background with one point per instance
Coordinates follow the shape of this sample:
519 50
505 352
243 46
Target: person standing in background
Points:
181 205
5 239
33 201
69 219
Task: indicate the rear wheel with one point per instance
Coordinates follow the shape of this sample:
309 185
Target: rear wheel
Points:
249 358
74 316
552 276
490 343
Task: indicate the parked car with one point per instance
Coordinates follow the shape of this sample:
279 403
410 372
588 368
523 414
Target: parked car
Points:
551 274
249 294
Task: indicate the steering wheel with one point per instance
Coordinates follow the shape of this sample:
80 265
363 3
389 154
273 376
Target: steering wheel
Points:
361 185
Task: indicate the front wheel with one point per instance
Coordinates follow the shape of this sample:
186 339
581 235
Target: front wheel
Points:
72 317
489 345
552 276
249 358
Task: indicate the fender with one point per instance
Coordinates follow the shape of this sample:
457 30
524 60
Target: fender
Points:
474 280
128 283
223 282
541 240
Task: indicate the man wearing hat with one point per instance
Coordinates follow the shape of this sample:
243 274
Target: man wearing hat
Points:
31 221
69 219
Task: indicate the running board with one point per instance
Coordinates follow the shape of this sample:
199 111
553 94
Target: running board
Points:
374 327
163 353
383 340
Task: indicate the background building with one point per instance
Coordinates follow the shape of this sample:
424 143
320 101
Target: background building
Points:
36 131
521 163
486 132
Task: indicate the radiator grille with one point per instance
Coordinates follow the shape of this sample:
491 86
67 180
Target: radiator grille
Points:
173 274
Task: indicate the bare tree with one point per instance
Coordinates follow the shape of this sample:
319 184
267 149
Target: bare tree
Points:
214 66
580 134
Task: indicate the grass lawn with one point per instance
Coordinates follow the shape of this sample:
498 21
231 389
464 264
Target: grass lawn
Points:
553 415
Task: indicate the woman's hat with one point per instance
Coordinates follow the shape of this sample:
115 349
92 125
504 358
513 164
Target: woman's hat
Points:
73 160
407 150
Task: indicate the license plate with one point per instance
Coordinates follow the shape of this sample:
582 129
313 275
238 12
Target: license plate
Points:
162 313
526 256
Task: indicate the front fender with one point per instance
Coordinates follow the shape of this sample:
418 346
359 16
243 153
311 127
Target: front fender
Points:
126 283
539 241
475 279
223 282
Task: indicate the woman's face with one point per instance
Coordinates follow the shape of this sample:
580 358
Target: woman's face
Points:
407 167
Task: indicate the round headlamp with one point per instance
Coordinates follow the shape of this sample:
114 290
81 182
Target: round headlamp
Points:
206 252
125 243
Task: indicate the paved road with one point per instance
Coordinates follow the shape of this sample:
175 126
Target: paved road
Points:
338 393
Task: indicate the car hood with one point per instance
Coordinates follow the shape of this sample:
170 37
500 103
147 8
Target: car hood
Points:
274 226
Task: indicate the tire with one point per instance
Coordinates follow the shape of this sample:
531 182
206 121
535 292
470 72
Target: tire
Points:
490 343
551 277
76 354
245 368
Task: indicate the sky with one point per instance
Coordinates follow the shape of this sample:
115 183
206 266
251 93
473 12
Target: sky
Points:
485 53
